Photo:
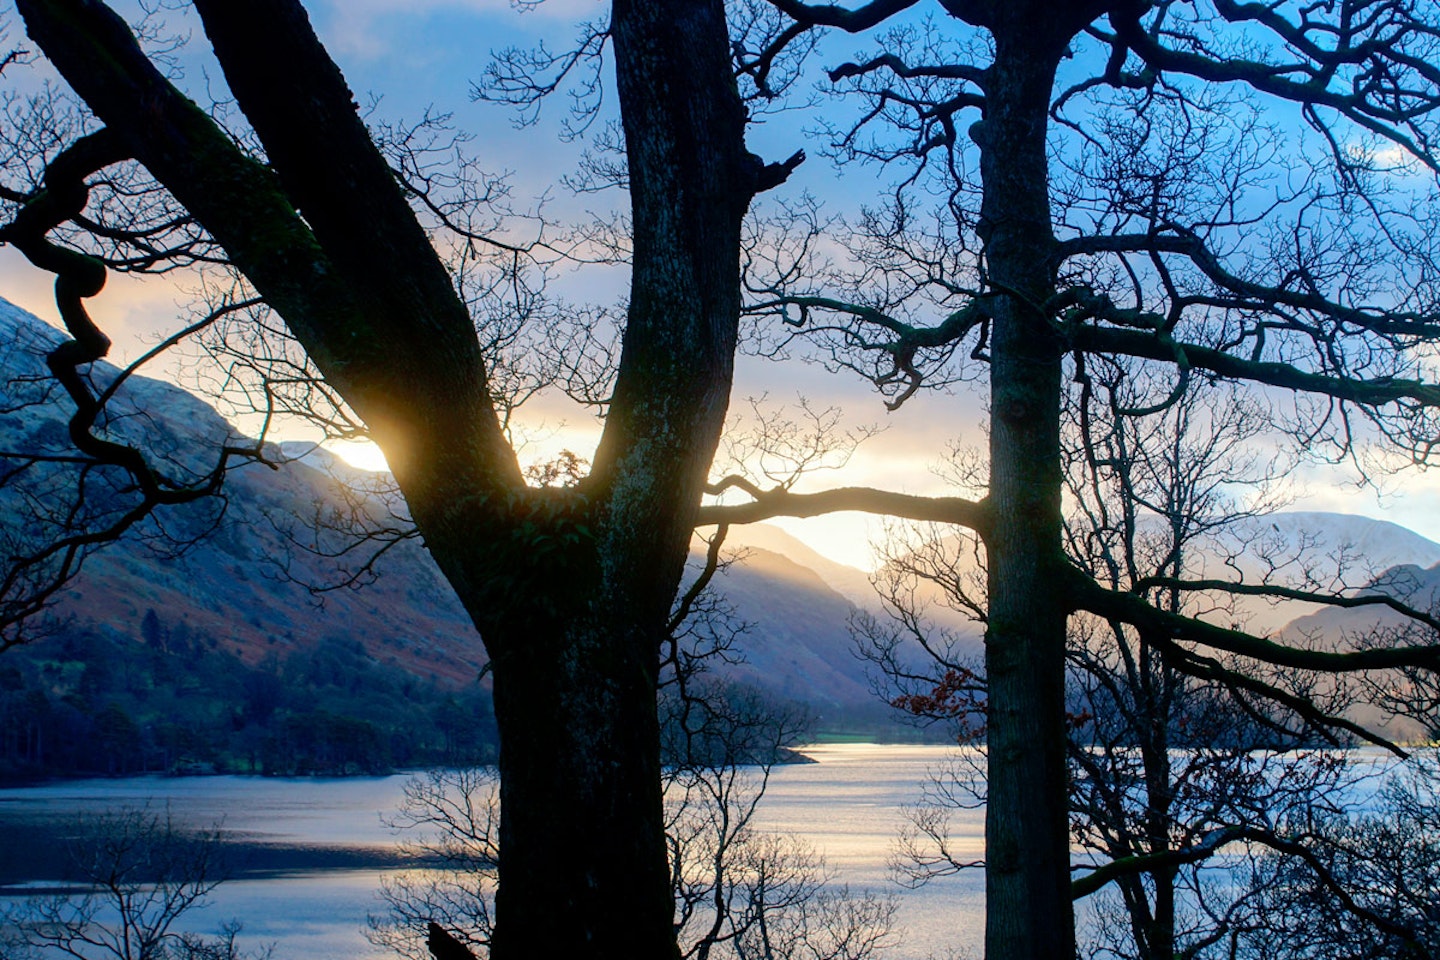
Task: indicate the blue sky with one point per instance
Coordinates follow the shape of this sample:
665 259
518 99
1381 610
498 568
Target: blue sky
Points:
426 53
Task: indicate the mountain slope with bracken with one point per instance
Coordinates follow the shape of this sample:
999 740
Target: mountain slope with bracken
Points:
242 572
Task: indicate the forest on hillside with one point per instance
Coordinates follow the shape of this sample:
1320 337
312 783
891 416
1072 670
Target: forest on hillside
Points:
86 702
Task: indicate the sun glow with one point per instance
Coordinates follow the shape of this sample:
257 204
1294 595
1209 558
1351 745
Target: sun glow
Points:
360 454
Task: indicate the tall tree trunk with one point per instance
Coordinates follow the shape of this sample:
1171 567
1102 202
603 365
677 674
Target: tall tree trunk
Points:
1158 690
583 870
1028 908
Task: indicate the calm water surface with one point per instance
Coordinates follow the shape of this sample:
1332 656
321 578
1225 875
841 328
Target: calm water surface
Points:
312 852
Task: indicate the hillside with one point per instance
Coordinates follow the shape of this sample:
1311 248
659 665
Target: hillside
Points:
1350 550
1415 585
1339 549
250 589
851 583
798 644
244 584
246 587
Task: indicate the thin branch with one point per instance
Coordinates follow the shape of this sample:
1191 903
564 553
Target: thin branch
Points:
1130 608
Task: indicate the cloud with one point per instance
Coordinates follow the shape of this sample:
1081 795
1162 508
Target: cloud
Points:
1386 157
374 29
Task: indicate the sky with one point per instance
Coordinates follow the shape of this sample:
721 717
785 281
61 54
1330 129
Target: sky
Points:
426 53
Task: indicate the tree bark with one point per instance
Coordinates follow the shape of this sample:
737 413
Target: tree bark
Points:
1028 901
582 868
1158 688
576 671
580 776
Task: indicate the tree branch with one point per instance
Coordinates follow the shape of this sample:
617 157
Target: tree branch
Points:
1107 873
1373 393
781 503
1290 593
832 15
1381 105
398 383
1130 608
1210 845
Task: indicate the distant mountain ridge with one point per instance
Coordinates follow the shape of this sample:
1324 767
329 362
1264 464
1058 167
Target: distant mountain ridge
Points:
245 586
242 586
850 582
1355 549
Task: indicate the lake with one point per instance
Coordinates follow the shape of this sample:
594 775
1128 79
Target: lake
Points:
311 852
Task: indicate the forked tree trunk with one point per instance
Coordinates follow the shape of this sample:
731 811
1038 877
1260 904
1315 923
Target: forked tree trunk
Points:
583 869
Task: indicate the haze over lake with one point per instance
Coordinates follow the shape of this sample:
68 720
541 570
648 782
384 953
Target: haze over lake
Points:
311 851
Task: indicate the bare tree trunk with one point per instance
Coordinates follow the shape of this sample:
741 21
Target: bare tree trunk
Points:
583 871
1158 689
582 851
1028 908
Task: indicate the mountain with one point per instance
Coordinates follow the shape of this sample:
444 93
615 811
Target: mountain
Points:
1415 585
246 586
1370 544
1339 550
851 583
797 645
1330 627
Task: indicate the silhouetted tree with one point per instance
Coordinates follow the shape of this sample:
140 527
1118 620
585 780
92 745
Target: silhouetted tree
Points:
142 874
1179 778
1106 202
570 587
1111 196
1368 888
738 892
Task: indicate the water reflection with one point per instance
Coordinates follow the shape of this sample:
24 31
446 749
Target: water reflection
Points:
310 852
